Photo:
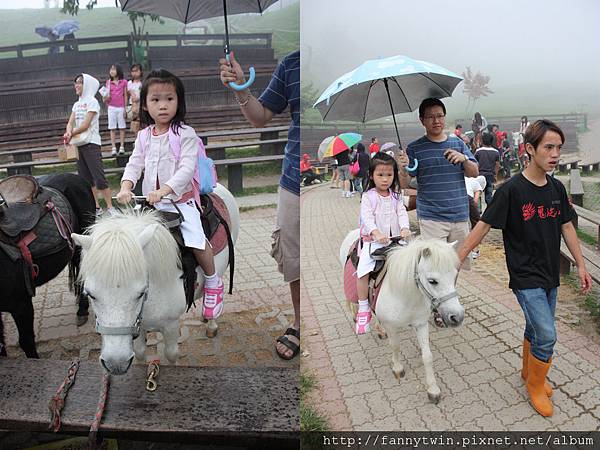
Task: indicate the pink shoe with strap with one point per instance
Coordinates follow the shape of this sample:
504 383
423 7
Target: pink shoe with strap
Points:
212 304
363 320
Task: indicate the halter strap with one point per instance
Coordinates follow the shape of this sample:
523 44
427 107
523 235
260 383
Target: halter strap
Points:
123 331
435 301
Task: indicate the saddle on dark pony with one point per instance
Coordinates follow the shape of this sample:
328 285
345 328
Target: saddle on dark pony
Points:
215 223
35 221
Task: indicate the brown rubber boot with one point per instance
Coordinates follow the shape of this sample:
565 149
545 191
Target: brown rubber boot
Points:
526 352
535 386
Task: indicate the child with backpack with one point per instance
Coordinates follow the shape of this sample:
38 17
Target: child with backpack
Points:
167 152
382 215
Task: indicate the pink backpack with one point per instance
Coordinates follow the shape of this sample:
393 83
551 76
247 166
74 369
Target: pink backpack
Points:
372 196
200 185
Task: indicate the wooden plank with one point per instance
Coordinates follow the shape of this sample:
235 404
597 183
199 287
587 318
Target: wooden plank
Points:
588 215
592 260
191 403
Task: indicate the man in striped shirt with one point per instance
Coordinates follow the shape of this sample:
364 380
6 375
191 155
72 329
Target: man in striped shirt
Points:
443 162
283 90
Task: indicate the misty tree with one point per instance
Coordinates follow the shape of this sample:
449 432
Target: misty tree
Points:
138 20
475 86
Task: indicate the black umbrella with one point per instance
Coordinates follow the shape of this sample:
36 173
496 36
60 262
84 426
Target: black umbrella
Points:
187 11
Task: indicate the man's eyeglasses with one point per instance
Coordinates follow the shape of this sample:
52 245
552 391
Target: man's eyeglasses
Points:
435 117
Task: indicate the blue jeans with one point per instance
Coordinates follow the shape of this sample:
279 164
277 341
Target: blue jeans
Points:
538 306
489 189
358 185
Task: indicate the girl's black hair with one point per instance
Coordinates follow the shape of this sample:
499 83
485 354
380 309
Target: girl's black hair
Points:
383 158
137 66
119 70
163 76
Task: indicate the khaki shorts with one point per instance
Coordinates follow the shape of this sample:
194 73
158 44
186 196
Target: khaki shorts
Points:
286 237
449 232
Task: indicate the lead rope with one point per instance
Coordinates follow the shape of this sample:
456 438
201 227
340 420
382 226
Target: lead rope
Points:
57 402
92 437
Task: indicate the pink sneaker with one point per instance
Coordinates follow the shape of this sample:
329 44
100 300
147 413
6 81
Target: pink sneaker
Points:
363 320
212 305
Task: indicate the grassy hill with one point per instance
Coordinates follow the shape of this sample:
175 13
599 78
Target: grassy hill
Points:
18 25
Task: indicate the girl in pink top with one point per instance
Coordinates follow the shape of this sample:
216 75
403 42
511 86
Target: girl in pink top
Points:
382 215
162 106
116 101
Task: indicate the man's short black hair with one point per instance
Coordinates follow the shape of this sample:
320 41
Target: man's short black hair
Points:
428 103
488 139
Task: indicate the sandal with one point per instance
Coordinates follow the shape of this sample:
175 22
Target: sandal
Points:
295 348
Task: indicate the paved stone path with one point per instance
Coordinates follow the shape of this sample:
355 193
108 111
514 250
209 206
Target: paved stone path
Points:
255 315
477 365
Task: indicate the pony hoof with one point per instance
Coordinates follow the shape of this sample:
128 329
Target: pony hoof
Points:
434 398
211 333
382 335
399 375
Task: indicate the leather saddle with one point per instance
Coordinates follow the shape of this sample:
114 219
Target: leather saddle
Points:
22 204
378 255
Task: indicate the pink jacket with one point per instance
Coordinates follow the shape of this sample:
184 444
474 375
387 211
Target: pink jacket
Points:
159 162
382 216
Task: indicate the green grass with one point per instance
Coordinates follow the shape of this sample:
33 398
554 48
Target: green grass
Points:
18 26
310 418
591 300
587 238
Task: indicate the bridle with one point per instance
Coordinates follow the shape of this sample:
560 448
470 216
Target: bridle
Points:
133 330
436 302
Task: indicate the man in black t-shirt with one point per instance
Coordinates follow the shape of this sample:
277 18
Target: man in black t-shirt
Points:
489 162
533 211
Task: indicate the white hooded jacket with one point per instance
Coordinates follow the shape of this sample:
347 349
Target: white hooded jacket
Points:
86 103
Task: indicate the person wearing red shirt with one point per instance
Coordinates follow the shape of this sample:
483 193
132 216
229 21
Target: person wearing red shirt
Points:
306 171
374 147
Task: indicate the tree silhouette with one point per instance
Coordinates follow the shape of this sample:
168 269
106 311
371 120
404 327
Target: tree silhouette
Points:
475 86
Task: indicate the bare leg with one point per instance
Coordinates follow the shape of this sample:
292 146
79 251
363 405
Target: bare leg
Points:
433 391
112 138
362 287
106 193
122 137
205 259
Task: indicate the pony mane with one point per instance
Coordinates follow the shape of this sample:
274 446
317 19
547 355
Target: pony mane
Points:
116 257
402 262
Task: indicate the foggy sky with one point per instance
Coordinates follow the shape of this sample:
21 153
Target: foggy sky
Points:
543 45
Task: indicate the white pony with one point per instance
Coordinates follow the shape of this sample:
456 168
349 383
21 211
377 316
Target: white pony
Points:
420 278
131 271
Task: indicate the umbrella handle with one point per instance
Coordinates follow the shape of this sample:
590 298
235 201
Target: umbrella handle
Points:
247 84
414 167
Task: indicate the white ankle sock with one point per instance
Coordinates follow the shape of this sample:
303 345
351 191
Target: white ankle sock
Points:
212 281
363 305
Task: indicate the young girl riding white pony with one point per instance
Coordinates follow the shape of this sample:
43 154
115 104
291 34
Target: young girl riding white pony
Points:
167 153
382 215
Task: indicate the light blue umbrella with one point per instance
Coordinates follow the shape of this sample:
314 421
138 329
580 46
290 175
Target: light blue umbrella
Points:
383 87
65 27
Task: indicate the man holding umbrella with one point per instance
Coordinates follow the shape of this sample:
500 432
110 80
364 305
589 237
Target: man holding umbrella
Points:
444 161
283 90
